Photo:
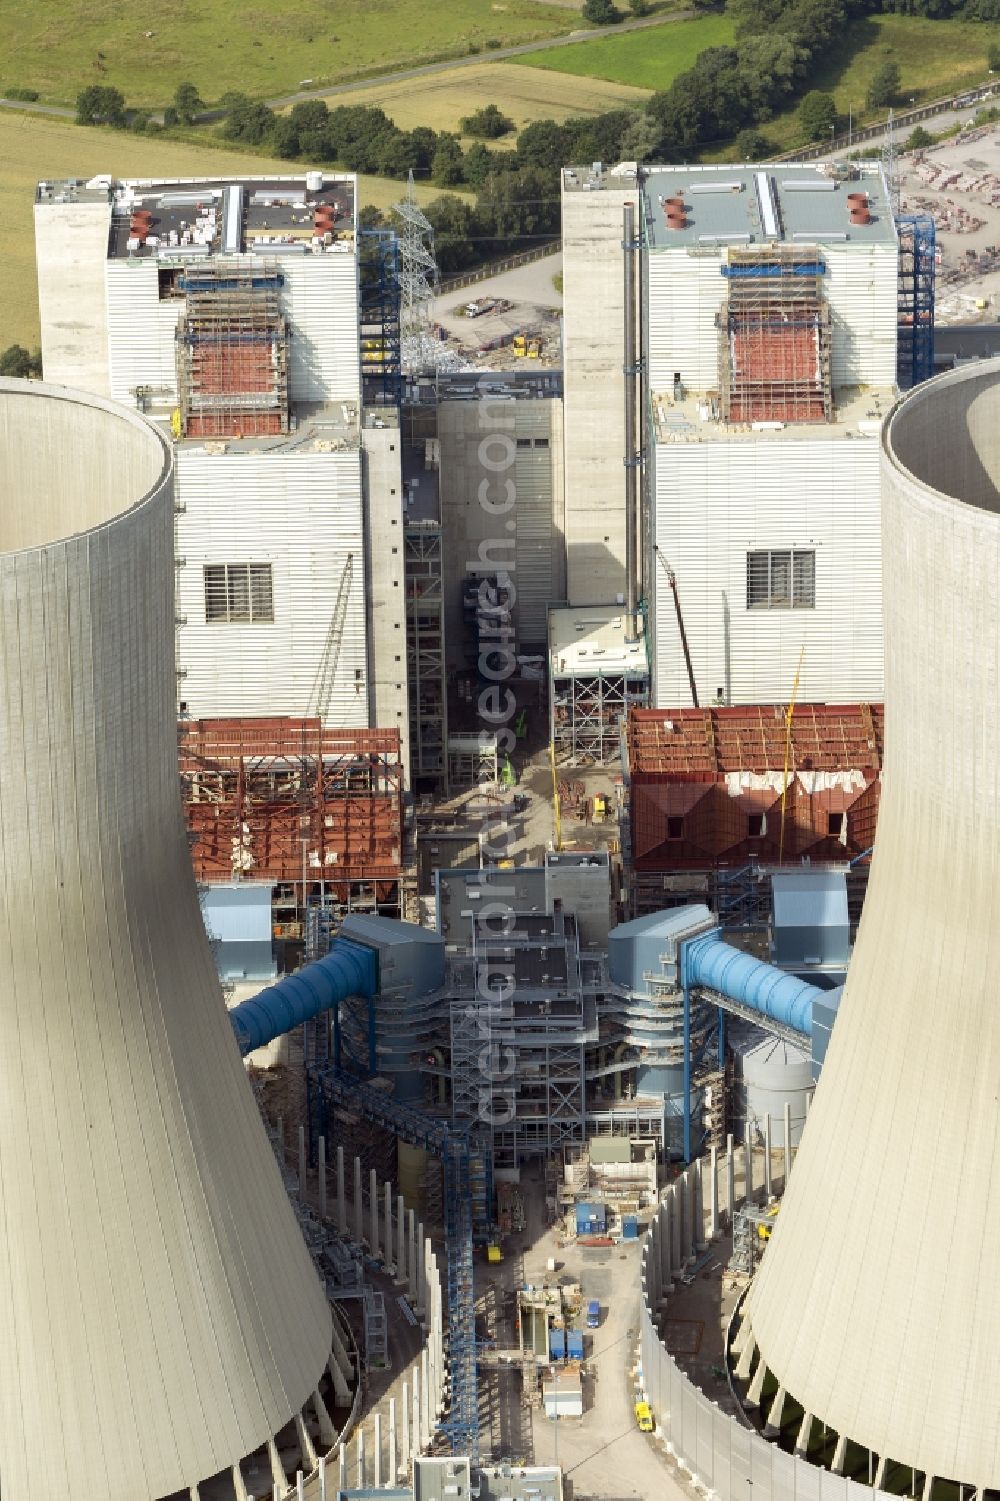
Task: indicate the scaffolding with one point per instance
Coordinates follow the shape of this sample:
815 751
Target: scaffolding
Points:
915 318
232 352
425 657
774 337
587 710
292 803
381 363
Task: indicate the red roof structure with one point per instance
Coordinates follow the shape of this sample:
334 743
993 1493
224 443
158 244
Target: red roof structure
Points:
705 785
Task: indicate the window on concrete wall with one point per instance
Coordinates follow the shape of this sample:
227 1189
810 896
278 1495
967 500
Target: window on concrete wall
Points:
781 580
238 593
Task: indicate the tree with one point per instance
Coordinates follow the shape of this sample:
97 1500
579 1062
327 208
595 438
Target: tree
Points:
187 102
454 223
488 123
284 139
16 363
448 166
884 86
170 117
818 115
100 105
601 12
918 138
753 146
247 120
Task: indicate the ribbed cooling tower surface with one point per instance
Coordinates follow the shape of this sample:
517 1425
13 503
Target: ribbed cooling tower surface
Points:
160 1317
877 1307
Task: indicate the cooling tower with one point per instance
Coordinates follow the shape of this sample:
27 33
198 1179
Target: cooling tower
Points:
877 1305
160 1318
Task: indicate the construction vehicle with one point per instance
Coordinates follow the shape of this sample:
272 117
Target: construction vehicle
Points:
644 1417
520 346
764 1231
534 349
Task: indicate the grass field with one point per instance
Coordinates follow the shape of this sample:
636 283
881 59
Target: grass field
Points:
935 58
266 49
33 148
525 94
644 59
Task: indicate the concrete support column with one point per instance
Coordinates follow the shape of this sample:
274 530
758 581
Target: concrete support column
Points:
341 1370
341 1194
788 1142
300 1487
344 1482
745 1362
278 1475
406 1450
323 1492
302 1163
359 1208
239 1485
193 1493
840 1452
748 1164
327 1432
699 1170
802 1442
666 1280
756 1387
400 1240
387 1239
676 1258
377 1450
423 1251
411 1255
773 1425
321 1175
393 1459
730 1181
713 1195
880 1475
373 1212
425 1399
767 1156
308 1449
359 1476
417 1444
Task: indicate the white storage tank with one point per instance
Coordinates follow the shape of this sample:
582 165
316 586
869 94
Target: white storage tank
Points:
774 1073
314 182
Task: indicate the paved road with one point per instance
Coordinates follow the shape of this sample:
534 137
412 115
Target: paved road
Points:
332 90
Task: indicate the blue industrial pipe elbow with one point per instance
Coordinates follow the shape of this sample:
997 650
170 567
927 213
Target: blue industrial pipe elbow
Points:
761 987
348 969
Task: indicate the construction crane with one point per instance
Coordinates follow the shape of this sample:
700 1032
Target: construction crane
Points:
672 581
326 673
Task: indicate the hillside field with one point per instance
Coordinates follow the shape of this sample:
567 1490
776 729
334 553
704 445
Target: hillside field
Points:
524 93
60 46
32 148
643 59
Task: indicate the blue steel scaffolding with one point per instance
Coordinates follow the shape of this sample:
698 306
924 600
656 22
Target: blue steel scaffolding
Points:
381 354
467 1173
915 317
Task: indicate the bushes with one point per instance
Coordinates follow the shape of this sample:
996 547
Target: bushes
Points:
487 124
28 95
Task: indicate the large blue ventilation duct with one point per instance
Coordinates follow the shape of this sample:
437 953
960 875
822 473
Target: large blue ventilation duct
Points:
772 992
348 969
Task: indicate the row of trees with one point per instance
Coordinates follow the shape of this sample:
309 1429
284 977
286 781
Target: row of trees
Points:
101 104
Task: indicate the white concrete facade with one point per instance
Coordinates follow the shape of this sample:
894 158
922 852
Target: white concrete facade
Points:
875 1307
301 515
594 387
716 502
160 1318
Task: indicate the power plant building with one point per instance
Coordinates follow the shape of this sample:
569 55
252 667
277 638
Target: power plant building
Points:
767 341
229 310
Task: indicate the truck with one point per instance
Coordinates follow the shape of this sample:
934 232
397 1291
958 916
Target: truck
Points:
593 1314
644 1417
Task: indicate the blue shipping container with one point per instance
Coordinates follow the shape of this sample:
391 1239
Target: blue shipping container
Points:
574 1344
591 1219
557 1344
630 1227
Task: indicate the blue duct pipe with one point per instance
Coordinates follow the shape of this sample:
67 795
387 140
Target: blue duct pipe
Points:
718 966
348 969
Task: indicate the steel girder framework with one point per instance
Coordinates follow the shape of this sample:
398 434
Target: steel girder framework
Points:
915 346
425 651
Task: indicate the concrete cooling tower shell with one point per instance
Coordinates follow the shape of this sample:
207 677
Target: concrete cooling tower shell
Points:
876 1307
160 1317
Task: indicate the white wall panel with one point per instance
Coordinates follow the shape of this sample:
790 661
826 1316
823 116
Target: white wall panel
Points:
686 291
320 301
302 513
715 502
141 329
